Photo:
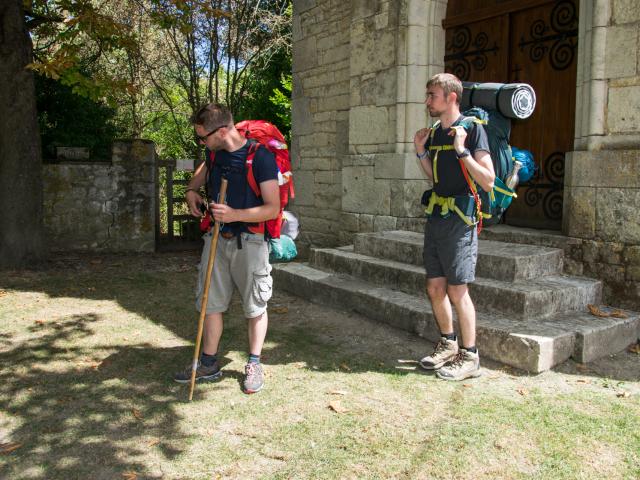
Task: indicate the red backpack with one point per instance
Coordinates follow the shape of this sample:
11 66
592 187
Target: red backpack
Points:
267 135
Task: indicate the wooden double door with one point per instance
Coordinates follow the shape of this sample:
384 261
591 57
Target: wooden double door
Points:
534 42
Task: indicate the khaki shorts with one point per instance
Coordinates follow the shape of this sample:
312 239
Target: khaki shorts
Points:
247 269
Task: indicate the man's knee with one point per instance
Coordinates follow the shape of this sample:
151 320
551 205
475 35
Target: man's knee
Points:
457 293
436 290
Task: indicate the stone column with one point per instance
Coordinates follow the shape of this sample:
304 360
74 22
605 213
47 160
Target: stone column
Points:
602 175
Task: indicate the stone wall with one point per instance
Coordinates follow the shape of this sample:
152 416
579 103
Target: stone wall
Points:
360 68
103 206
320 115
602 179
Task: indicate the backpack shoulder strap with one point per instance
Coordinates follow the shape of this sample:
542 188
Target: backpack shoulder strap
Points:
251 179
474 192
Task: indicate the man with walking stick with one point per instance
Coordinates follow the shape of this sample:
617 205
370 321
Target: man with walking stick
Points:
241 258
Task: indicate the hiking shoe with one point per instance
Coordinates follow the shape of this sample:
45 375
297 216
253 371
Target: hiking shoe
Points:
445 351
464 365
253 378
203 374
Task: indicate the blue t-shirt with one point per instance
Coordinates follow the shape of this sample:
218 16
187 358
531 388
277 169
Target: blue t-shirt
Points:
239 192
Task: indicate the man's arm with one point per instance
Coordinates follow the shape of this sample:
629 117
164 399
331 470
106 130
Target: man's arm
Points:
479 166
419 140
270 193
194 200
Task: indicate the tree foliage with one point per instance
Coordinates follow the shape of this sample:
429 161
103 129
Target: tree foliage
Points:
70 40
212 49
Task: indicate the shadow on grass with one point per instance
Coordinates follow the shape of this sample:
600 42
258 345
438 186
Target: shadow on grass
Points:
74 415
160 288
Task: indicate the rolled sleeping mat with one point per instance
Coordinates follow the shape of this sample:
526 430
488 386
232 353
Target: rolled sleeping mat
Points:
512 100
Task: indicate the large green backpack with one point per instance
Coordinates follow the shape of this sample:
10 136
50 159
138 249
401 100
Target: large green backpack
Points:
498 130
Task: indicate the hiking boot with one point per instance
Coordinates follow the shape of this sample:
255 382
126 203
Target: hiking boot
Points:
203 373
445 351
253 378
464 365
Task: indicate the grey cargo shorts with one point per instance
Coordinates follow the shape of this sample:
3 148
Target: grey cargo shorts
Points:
450 249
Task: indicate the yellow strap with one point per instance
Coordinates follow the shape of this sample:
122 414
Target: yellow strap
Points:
447 204
435 167
438 149
441 147
505 192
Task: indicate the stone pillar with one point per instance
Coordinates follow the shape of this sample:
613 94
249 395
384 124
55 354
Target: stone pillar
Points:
320 112
602 175
359 70
133 207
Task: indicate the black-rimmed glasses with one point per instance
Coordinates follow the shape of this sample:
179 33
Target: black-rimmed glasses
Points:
204 137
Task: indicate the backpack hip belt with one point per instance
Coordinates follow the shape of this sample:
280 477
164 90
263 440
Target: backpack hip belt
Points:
462 205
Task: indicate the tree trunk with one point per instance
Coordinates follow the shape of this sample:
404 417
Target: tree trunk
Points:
21 230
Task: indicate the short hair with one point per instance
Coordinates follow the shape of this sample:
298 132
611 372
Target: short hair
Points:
449 84
212 116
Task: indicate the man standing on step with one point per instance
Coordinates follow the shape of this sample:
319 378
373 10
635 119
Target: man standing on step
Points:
242 257
450 239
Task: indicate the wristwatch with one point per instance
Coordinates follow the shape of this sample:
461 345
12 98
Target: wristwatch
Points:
465 153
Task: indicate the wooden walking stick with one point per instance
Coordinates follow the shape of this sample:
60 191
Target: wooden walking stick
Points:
207 284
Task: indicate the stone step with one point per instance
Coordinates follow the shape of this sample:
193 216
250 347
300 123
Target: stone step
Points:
527 236
534 345
538 297
498 260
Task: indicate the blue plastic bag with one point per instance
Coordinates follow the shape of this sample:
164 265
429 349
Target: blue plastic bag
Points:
529 167
282 249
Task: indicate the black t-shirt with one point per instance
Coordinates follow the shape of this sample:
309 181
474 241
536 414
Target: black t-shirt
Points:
239 192
448 179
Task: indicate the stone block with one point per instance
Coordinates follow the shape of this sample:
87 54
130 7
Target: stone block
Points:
601 13
579 216
633 273
416 85
372 50
624 109
364 8
416 118
405 165
362 193
603 336
305 54
301 119
631 255
625 11
416 46
365 223
304 181
604 168
342 136
386 87
617 214
349 222
405 198
412 224
327 177
367 90
620 42
383 223
335 54
366 125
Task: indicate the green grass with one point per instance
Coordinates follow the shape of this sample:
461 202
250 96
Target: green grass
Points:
87 350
